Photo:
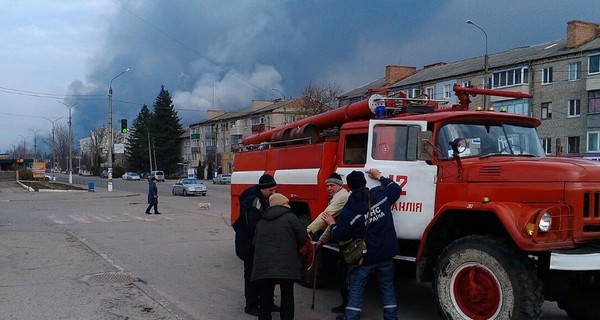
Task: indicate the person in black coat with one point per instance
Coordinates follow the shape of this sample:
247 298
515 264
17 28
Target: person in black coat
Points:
278 236
152 196
253 201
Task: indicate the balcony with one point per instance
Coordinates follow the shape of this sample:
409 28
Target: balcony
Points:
258 128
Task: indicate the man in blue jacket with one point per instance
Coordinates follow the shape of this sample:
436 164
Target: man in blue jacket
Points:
357 218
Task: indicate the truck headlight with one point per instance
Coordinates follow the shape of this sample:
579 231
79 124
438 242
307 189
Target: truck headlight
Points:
545 222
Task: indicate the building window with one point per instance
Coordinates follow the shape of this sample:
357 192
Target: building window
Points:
547 145
593 141
546 110
547 75
510 77
573 145
573 71
466 84
429 92
594 101
447 91
594 64
414 93
258 120
574 108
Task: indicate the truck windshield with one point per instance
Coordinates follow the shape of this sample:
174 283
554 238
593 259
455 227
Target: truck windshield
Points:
488 139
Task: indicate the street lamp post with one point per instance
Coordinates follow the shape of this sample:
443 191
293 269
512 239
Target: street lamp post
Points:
485 61
110 129
281 93
35 143
70 163
53 146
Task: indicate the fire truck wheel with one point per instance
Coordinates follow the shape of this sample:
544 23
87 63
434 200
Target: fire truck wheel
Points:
582 300
485 277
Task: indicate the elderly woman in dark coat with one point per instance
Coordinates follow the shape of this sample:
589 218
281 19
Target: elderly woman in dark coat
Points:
278 235
152 196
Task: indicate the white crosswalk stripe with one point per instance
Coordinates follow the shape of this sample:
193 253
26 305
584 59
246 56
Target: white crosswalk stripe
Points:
96 218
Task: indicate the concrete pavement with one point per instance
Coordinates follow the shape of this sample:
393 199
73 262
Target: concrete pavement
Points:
55 275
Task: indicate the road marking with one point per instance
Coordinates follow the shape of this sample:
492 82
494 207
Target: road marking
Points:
99 217
55 219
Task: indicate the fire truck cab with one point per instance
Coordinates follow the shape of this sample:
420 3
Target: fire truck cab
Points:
495 225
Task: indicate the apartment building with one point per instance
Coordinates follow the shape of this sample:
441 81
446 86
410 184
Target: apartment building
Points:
214 140
563 76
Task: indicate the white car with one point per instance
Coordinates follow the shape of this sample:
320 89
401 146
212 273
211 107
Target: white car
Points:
131 176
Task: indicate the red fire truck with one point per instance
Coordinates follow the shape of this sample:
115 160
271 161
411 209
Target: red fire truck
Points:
494 224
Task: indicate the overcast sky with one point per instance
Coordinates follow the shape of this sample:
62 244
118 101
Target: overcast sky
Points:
215 54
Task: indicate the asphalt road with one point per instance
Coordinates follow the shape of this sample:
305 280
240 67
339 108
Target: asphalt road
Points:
184 258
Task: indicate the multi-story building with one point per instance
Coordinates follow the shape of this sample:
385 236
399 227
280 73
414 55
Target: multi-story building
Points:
213 141
563 76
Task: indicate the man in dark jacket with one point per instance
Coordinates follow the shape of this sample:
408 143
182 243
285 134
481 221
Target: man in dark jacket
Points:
152 196
357 218
279 233
253 201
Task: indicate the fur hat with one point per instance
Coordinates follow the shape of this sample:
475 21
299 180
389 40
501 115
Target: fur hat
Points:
356 180
277 199
266 181
335 178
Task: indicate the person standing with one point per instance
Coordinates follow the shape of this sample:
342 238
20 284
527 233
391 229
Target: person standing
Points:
382 244
279 234
152 196
253 201
337 199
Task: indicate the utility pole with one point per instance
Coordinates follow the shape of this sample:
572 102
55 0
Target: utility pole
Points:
110 131
485 62
53 165
70 163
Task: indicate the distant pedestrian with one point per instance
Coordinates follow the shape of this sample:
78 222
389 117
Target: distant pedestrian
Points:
253 201
152 196
370 208
279 234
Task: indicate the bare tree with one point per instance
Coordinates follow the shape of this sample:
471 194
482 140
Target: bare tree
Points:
320 98
98 151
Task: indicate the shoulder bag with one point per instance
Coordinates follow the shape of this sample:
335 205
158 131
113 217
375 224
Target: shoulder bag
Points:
354 251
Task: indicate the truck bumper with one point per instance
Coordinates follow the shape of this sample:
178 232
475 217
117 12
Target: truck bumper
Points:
581 259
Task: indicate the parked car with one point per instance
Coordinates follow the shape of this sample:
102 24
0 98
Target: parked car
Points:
222 179
48 177
159 175
131 176
104 174
188 186
85 173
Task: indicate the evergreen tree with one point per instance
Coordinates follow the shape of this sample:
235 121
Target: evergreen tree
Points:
165 132
136 149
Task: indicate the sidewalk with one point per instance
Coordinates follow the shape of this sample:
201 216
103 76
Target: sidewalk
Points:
12 191
50 274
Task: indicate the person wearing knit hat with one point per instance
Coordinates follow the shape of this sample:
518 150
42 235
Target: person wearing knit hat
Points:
277 199
266 181
356 180
278 235
368 216
253 202
334 178
337 199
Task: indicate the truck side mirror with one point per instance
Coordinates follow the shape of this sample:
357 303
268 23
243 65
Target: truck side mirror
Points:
424 145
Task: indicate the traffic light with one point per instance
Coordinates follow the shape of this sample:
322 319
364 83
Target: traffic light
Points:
124 126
